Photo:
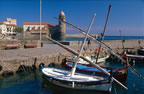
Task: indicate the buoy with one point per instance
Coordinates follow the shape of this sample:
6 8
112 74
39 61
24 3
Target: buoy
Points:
7 73
78 50
96 49
91 50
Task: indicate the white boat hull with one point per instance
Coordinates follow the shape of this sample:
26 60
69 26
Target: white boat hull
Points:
62 78
81 61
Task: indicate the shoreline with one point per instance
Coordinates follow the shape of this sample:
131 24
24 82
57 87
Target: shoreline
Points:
76 35
108 37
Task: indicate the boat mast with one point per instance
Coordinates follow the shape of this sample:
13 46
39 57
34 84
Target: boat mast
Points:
82 46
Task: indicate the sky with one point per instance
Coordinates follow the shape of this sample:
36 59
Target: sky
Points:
126 16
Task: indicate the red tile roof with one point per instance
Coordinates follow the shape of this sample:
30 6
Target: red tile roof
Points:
1 23
7 24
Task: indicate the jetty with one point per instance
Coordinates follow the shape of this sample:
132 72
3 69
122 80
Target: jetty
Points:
11 60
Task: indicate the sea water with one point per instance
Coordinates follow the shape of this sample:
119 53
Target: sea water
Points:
111 38
32 83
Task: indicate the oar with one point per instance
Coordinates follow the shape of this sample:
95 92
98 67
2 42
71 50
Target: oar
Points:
75 64
102 36
97 66
104 46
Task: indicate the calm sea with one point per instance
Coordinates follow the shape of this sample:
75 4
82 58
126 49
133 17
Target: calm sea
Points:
110 38
32 83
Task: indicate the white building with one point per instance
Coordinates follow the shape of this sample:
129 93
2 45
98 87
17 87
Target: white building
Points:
7 27
11 21
34 27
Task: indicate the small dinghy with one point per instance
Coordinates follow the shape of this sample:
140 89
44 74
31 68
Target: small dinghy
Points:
63 78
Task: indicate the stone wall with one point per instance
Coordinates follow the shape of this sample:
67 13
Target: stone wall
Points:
14 64
114 44
13 59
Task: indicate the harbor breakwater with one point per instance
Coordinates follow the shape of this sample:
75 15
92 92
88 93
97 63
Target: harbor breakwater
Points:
12 60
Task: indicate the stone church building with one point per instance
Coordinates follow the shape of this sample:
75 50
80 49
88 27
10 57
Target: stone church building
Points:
56 32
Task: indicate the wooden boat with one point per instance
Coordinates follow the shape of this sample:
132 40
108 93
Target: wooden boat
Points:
119 73
133 57
63 78
141 51
92 58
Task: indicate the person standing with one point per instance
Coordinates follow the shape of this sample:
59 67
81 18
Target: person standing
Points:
89 42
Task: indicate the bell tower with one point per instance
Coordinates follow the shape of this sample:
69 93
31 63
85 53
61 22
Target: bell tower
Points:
62 26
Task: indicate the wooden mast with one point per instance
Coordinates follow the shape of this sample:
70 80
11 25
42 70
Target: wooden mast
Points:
102 35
